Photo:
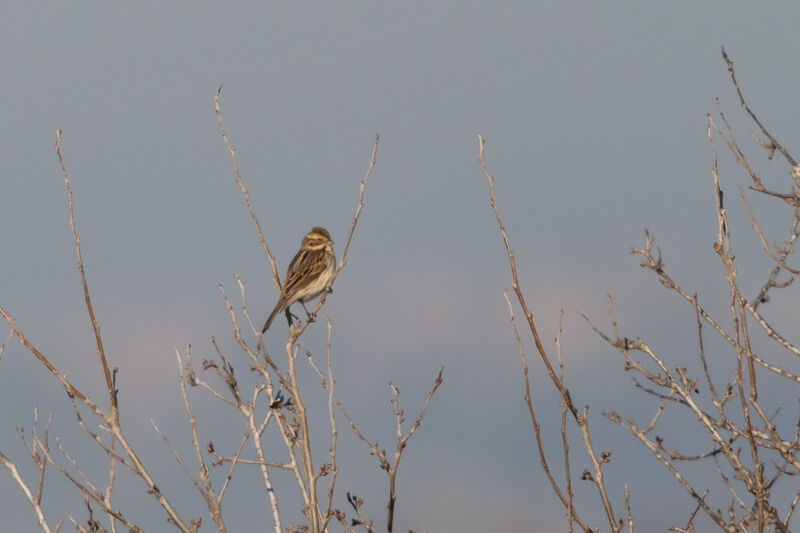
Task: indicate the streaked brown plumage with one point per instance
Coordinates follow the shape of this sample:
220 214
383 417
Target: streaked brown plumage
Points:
308 273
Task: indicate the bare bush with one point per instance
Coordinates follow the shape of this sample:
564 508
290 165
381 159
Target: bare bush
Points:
754 456
272 403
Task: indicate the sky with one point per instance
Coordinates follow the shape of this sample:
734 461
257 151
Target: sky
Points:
594 119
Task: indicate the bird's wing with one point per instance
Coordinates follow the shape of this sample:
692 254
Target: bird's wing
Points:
304 269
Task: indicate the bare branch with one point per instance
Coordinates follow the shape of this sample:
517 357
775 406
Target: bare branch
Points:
774 145
761 236
275 278
70 388
581 420
101 354
334 469
35 501
567 501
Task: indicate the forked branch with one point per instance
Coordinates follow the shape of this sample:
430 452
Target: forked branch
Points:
581 419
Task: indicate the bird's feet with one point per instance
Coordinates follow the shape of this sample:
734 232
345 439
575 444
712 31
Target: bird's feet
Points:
309 316
289 316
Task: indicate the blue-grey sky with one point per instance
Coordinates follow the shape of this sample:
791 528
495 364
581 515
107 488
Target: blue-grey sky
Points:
594 116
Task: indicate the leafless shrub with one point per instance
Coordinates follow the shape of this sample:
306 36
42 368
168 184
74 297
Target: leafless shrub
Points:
751 452
274 404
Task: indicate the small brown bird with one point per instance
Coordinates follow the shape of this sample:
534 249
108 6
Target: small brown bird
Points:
308 273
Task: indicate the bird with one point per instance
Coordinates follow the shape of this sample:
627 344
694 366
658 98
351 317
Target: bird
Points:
308 274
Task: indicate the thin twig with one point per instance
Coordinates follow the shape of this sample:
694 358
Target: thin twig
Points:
761 236
213 502
567 501
334 469
564 443
37 505
402 441
235 461
775 144
101 354
275 278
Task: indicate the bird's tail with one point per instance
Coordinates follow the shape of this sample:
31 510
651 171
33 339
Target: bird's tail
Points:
272 316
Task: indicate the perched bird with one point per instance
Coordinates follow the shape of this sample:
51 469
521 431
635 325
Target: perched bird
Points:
308 273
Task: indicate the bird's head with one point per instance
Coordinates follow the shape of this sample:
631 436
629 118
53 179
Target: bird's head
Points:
317 239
